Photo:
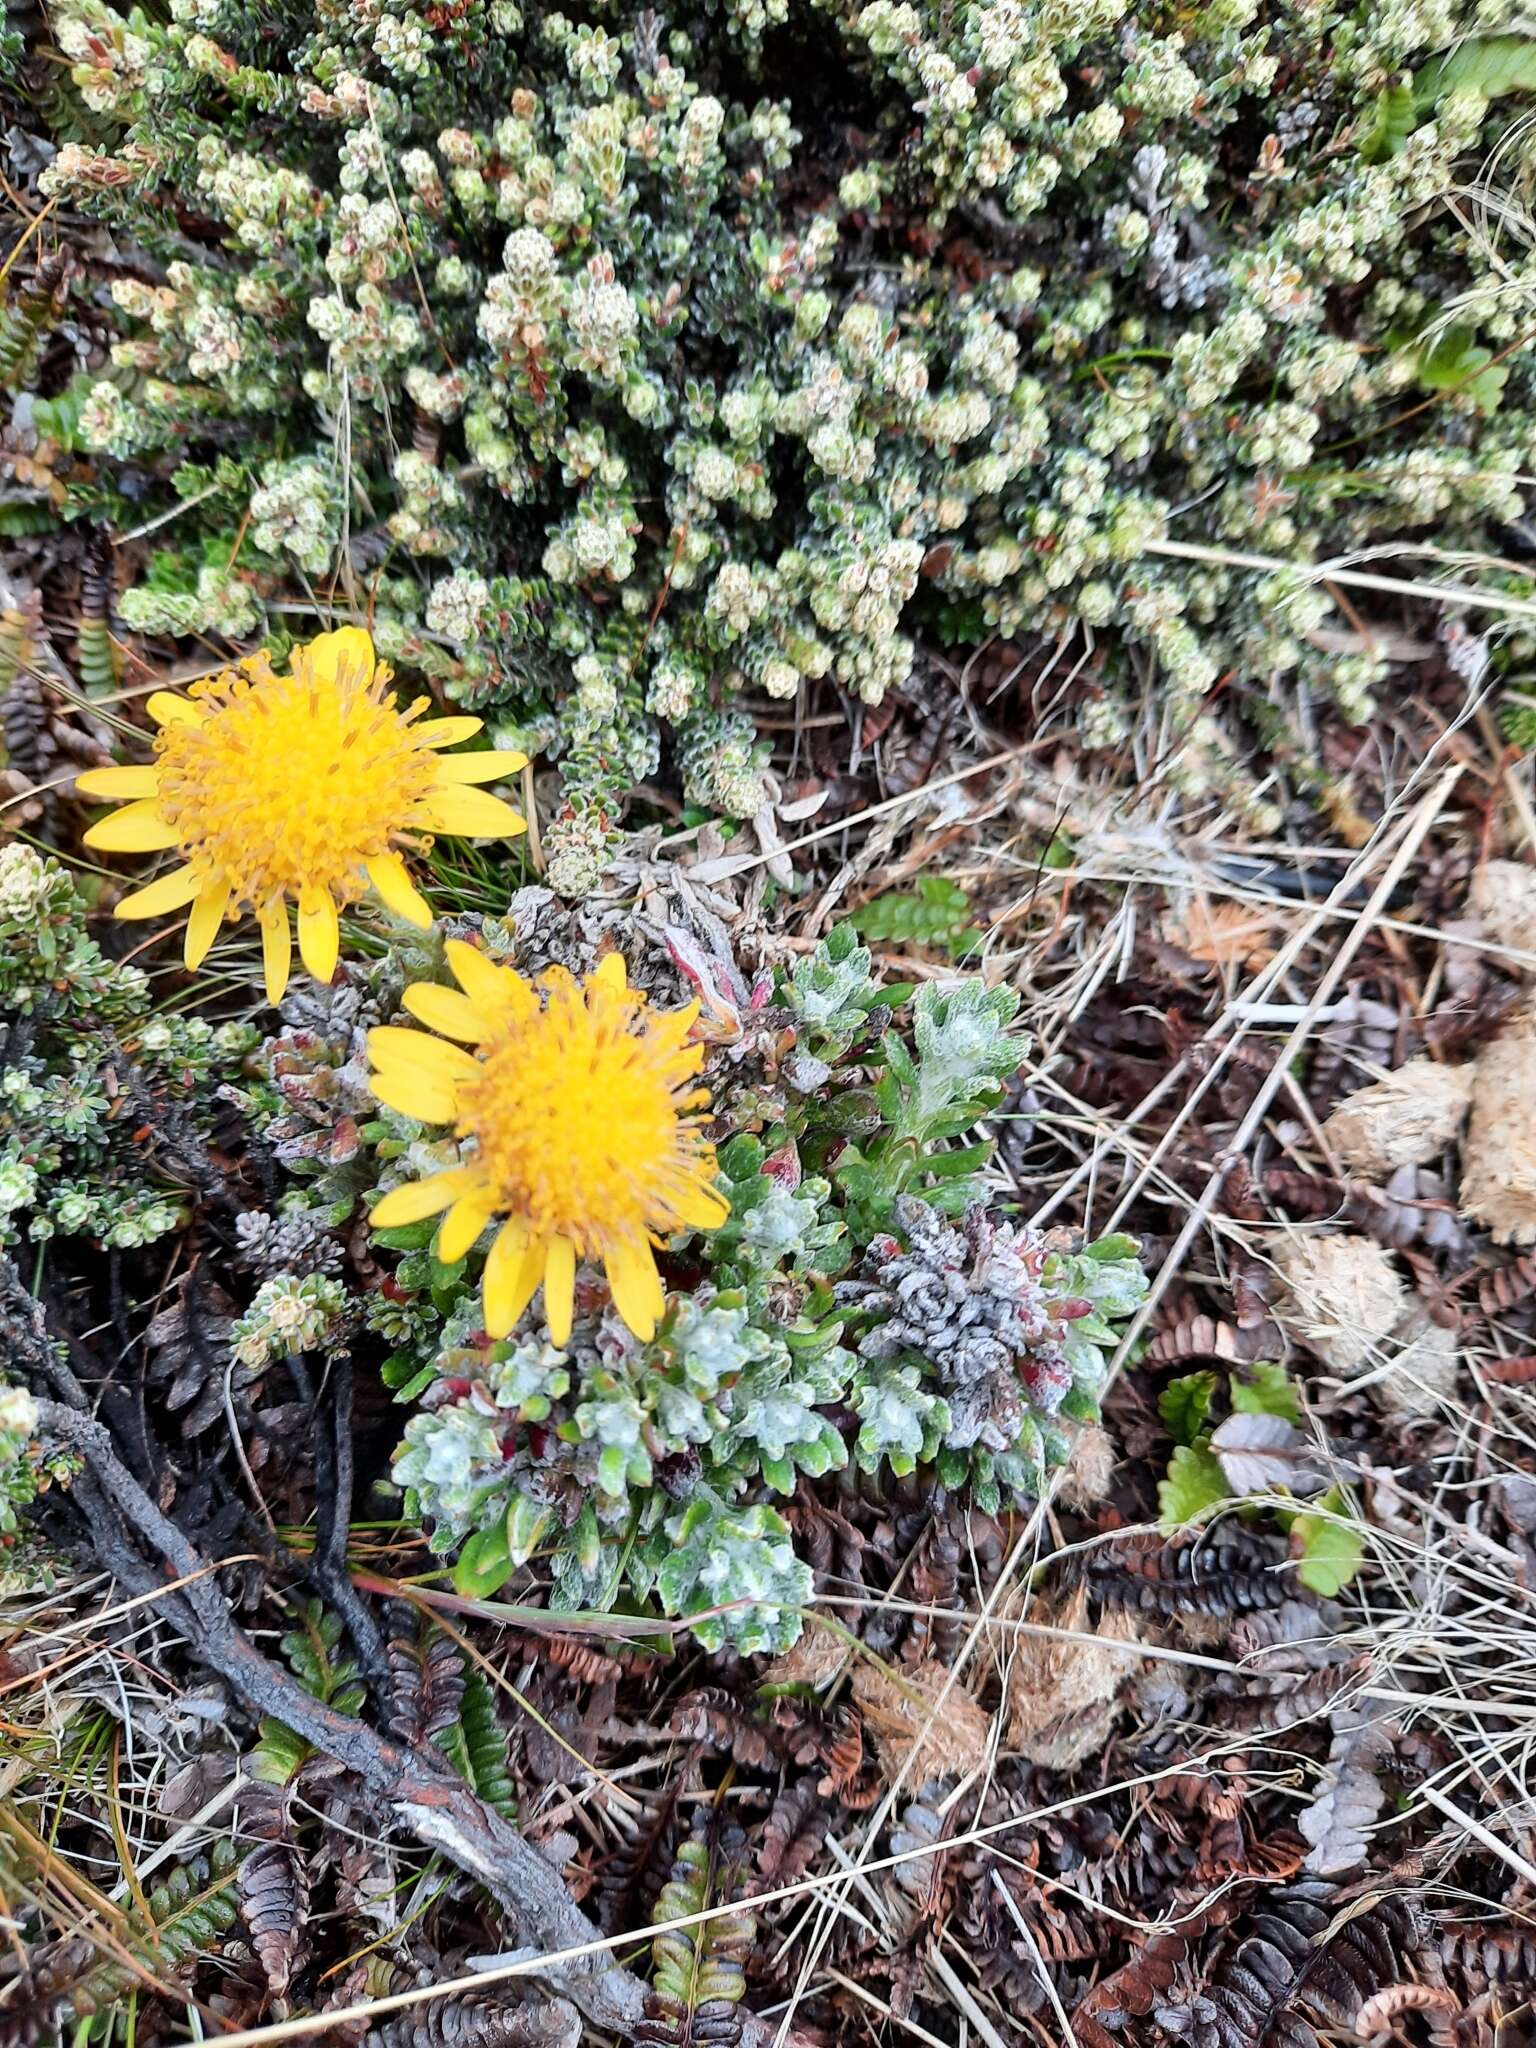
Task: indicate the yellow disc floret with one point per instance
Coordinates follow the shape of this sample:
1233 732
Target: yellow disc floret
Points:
580 1127
295 788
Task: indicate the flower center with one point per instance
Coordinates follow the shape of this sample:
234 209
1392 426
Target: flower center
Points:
576 1121
291 782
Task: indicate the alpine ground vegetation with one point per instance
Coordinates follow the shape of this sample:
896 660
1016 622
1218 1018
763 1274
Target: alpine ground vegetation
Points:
631 371
833 1320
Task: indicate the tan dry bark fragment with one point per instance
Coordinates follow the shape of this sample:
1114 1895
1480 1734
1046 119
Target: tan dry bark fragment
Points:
900 1717
1423 1375
1344 1296
1403 1120
1498 1183
1504 896
1062 1694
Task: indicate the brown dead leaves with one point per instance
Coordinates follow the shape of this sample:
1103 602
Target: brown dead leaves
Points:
1062 1689
923 1723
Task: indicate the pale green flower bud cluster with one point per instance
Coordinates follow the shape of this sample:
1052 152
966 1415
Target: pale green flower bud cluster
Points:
291 1314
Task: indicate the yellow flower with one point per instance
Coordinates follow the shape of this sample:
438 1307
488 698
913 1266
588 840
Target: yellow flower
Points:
295 787
579 1125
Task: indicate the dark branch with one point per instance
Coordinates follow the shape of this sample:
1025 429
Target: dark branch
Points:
425 1794
332 1427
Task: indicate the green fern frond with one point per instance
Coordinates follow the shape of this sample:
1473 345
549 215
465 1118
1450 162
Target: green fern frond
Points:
699 1972
312 1657
189 1914
483 1758
1517 717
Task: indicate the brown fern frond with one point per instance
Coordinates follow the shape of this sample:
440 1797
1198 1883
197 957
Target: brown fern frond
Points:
1199 1336
843 1755
273 1886
792 1835
580 1659
1298 1968
1381 2013
1233 1571
1132 1990
1488 1955
934 1582
426 1694
630 1880
1507 1288
1283 1701
718 1719
482 2020
1304 1194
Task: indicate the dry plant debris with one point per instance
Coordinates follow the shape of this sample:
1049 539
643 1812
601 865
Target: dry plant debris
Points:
1061 1690
1498 1185
1014 1519
922 1721
1344 1298
1405 1119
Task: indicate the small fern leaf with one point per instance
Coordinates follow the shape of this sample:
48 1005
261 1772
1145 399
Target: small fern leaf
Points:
1396 112
485 1745
1491 65
1194 1485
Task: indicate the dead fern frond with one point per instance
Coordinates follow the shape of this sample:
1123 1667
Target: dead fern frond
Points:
1299 1967
1230 1572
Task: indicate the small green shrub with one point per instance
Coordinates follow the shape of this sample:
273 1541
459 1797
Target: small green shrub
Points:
104 1102
838 1317
623 391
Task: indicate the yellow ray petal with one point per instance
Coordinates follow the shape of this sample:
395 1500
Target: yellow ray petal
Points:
120 784
171 893
636 1287
469 814
609 972
462 1225
415 1095
347 651
319 932
388 875
165 708
512 1274
276 947
703 1208
559 1288
139 828
449 732
203 925
490 988
445 1010
457 769
417 1052
414 1200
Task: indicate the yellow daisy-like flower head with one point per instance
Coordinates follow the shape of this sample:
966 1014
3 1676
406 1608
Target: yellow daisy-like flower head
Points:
580 1125
295 788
